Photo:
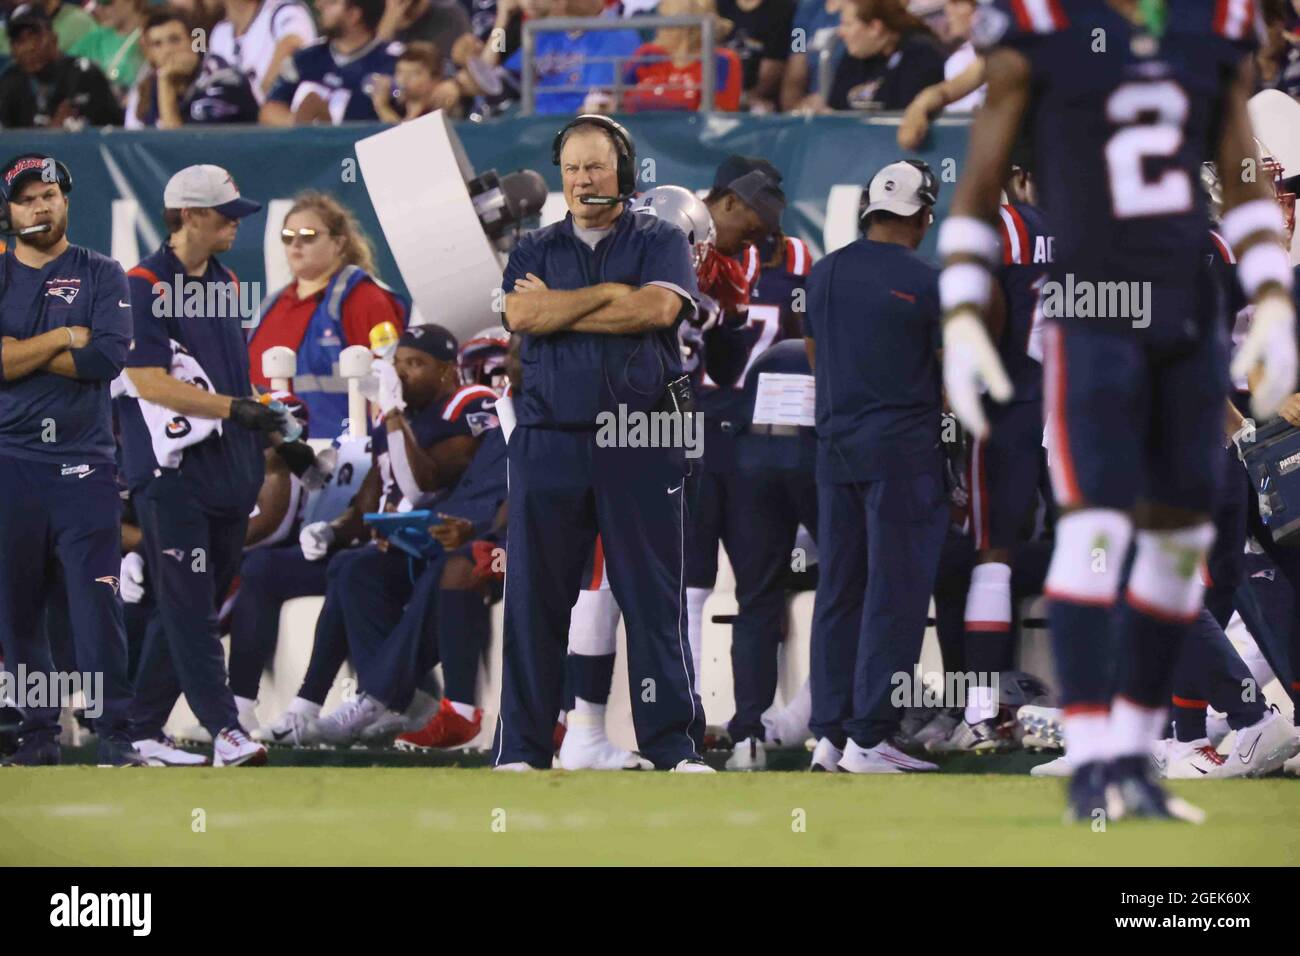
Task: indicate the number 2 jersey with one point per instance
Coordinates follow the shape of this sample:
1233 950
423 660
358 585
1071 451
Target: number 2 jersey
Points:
1121 120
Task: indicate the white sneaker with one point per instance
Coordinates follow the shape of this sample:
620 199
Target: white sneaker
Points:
749 754
1060 767
233 748
292 729
826 757
692 765
1216 727
519 767
194 734
586 747
939 727
980 738
1292 766
884 757
163 752
345 723
391 723
1043 728
1262 747
1191 760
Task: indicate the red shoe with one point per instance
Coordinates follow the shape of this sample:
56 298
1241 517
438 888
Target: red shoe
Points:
446 728
557 737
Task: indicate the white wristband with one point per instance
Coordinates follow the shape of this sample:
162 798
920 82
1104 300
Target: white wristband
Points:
1257 215
964 284
1261 264
72 339
968 236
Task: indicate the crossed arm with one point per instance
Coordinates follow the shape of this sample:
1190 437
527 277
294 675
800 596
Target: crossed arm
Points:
610 308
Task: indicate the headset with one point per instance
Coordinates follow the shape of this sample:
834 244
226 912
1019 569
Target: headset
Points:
62 176
624 146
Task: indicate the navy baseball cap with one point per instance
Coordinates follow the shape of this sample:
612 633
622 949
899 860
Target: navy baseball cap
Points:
757 183
23 169
27 16
431 339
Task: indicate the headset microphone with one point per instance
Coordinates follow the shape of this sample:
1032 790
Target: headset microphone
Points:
605 200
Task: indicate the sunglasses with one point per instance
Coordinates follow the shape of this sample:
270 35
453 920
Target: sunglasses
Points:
308 236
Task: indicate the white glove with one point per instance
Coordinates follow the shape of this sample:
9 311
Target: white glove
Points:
969 362
1271 342
1243 436
315 540
389 395
131 578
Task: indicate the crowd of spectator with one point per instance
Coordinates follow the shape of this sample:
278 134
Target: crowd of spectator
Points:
144 63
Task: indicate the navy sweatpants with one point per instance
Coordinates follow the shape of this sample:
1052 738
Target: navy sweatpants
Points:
49 519
563 489
192 557
880 543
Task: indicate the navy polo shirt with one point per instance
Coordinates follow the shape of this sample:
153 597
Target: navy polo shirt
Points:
873 310
571 377
225 471
80 287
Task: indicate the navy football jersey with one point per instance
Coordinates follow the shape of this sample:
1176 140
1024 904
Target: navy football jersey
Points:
1026 254
1121 121
342 81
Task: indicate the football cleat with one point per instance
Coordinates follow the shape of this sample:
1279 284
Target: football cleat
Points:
234 748
162 752
692 765
445 729
1089 796
750 754
345 724
390 723
1133 791
884 757
586 747
984 737
1189 760
1060 767
292 729
1262 748
1042 727
826 757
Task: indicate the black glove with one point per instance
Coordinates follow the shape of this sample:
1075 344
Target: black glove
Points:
297 455
253 415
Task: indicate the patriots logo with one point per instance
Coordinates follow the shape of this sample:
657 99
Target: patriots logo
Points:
988 27
479 422
65 292
111 581
177 553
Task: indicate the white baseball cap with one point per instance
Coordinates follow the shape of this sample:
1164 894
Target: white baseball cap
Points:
902 188
207 187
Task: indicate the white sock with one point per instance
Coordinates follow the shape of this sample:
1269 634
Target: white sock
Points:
308 708
1133 728
1087 737
464 710
247 710
982 704
581 706
695 598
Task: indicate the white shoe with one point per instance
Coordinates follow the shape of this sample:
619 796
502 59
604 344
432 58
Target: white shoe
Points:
193 735
233 748
749 754
1194 760
783 729
163 752
1292 766
884 757
519 767
939 727
342 726
1043 728
692 765
390 723
1262 747
981 738
1060 767
247 713
292 729
586 747
826 757
1216 727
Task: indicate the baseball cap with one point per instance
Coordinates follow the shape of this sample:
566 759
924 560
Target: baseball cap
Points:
757 183
23 169
27 16
902 188
207 187
431 339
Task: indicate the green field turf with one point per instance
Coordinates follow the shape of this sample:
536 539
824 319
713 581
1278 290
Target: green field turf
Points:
321 816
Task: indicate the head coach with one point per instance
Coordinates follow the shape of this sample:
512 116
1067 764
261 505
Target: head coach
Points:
596 299
66 326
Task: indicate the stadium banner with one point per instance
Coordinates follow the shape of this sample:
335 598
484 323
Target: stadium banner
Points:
119 175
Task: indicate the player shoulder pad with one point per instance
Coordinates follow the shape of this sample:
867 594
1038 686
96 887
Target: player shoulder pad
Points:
468 397
798 257
1017 245
1012 21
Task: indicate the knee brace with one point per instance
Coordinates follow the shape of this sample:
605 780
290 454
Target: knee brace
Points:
1088 558
1167 580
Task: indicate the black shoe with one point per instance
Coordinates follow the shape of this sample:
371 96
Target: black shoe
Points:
10 719
1133 782
35 753
1087 794
119 753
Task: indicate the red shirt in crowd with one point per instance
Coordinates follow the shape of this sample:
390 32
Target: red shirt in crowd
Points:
286 323
661 85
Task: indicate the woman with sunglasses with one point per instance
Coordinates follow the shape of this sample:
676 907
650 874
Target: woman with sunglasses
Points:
335 301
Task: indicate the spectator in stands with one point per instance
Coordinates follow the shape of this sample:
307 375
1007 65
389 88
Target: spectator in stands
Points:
182 86
483 17
761 36
576 72
258 36
43 87
115 44
892 56
330 80
334 301
417 86
666 74
203 15
816 35
958 15
71 23
439 22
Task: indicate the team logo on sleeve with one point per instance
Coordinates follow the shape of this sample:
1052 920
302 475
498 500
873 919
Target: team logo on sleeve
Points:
65 289
479 422
111 581
988 27
177 554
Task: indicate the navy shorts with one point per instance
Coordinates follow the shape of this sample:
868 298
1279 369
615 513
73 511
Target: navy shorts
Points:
1004 472
1132 418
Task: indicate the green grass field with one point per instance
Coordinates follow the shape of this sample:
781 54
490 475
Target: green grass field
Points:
321 816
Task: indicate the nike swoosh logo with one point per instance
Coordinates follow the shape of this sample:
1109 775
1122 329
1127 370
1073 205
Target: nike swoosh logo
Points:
1245 758
1198 769
280 735
673 491
85 473
125 305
